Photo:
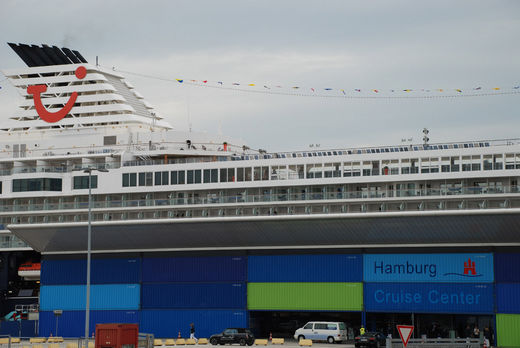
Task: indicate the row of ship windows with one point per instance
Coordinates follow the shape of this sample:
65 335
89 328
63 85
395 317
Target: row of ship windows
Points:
318 170
50 184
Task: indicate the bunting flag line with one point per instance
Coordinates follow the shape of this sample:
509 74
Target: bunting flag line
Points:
346 93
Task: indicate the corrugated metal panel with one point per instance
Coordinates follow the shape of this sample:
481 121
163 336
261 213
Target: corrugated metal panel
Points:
103 271
195 295
113 271
429 297
72 297
508 297
101 317
29 328
168 323
63 272
305 296
508 328
64 297
507 267
425 268
194 269
72 323
305 268
116 296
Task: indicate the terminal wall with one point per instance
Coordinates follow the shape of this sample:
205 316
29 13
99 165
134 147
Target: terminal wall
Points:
165 292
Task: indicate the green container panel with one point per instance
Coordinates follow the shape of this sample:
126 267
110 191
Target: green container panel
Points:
305 296
508 328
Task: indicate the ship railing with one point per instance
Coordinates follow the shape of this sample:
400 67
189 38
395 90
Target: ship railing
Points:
56 169
9 241
266 197
150 162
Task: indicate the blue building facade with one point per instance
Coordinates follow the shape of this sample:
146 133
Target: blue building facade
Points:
440 293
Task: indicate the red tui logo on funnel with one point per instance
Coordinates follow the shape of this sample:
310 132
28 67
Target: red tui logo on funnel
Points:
53 117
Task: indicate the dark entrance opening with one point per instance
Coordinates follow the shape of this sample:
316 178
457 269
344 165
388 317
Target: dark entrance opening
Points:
283 324
431 325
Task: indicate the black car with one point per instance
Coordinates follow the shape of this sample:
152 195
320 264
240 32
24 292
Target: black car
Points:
371 339
233 335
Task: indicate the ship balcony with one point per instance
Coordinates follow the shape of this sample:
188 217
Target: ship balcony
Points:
383 201
9 241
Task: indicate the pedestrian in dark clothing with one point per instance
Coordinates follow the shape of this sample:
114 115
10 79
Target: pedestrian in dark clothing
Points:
192 332
467 332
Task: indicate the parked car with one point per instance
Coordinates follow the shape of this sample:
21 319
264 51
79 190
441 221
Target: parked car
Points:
233 335
370 339
322 331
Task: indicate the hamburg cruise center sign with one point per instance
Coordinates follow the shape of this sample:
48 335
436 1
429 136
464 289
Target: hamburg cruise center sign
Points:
449 283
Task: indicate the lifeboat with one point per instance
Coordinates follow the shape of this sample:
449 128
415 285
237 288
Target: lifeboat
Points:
30 270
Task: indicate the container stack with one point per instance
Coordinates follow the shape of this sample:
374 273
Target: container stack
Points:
209 291
305 283
114 294
507 274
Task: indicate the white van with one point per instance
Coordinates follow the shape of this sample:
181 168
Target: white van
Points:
322 331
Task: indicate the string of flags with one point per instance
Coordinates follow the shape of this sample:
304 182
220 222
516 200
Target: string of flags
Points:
330 92
357 92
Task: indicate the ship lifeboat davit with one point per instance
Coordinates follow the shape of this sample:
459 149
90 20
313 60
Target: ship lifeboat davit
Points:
30 271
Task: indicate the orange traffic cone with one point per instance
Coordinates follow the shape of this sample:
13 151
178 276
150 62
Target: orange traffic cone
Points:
179 335
270 336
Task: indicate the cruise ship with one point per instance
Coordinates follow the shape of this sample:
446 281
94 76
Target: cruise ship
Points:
191 227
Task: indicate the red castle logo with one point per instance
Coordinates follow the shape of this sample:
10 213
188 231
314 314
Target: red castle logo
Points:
469 267
52 117
470 270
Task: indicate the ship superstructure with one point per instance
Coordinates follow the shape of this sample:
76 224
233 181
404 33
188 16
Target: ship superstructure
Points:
173 190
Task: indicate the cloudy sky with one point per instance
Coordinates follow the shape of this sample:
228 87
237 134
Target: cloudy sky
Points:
376 44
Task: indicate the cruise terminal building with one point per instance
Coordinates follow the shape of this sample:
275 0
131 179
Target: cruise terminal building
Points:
441 291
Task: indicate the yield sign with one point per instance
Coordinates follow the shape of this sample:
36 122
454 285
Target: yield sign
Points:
405 331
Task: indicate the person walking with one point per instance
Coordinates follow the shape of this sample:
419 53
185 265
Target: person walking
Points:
192 332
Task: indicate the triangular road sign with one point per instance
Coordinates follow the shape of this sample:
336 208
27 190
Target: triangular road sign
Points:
405 331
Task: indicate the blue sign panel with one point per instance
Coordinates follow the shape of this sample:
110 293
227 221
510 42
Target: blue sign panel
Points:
431 298
426 268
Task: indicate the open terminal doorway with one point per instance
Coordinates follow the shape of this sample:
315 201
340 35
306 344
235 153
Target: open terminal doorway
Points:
283 323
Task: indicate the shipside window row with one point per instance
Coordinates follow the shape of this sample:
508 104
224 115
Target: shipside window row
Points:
37 184
49 184
325 170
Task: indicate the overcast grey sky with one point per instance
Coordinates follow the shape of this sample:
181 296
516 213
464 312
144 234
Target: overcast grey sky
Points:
377 44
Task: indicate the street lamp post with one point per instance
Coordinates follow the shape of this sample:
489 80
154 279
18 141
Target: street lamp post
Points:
89 248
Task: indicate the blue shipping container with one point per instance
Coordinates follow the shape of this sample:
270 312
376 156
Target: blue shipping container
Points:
507 268
167 323
194 269
103 271
428 297
72 323
425 268
116 271
508 297
63 272
195 295
106 296
305 268
28 328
